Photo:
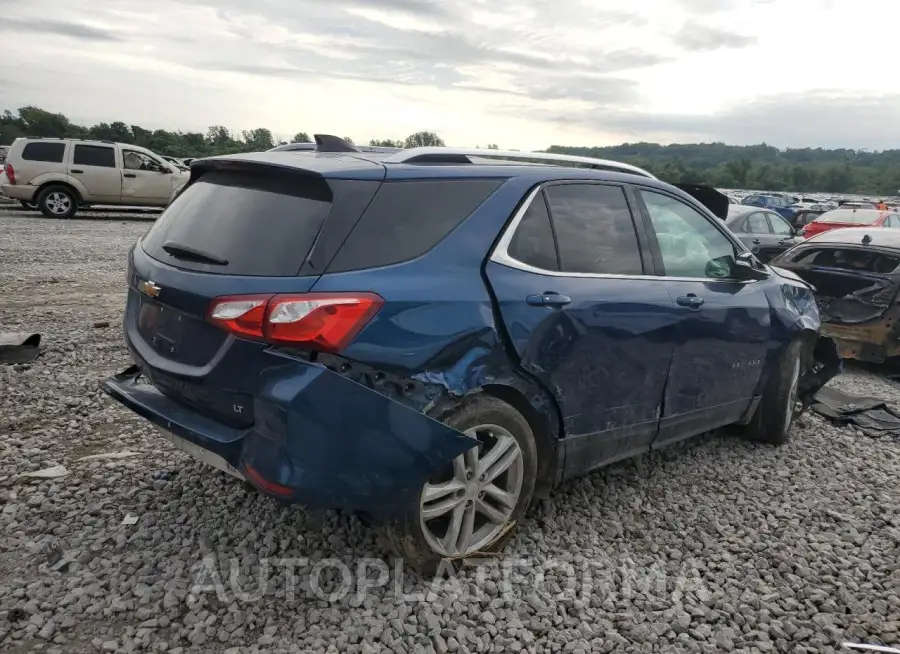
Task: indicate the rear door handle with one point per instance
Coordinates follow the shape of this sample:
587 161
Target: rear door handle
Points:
75 171
756 241
548 300
128 175
691 301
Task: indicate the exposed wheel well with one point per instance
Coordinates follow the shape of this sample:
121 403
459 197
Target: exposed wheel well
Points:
547 446
45 185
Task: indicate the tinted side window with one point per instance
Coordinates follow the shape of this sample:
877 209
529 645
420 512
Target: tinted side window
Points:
94 155
533 241
406 219
689 244
49 152
594 229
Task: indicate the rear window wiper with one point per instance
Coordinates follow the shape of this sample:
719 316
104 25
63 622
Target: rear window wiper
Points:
187 253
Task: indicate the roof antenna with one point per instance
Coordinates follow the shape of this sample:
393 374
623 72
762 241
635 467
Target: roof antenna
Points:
866 239
329 143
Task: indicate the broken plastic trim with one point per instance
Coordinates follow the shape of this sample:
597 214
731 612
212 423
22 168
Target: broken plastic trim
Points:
826 363
19 347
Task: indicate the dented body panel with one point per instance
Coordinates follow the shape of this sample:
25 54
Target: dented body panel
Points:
857 289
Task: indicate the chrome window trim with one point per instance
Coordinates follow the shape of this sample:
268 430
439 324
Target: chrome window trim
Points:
501 256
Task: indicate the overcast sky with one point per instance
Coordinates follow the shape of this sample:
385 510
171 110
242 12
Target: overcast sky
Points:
521 73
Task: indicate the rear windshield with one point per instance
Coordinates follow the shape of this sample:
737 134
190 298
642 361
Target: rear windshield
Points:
242 224
858 217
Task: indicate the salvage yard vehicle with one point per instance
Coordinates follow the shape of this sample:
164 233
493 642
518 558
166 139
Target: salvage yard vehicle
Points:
435 337
838 218
776 203
856 274
61 175
764 232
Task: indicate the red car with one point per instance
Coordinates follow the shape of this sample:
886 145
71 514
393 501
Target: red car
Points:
851 218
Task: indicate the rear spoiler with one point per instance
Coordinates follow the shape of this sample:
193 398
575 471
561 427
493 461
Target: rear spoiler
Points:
712 199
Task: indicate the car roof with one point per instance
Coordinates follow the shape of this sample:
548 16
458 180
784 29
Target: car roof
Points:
874 214
885 237
377 165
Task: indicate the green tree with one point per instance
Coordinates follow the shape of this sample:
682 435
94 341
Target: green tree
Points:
386 143
259 139
423 139
301 137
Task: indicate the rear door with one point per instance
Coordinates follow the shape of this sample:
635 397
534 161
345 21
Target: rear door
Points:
756 233
586 316
97 168
723 326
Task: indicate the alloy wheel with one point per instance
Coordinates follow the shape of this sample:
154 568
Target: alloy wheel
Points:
58 203
471 505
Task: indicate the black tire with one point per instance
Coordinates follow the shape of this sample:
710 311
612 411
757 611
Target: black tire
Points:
404 532
778 407
57 201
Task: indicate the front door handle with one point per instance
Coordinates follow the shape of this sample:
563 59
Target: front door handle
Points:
548 299
756 241
75 171
128 175
690 301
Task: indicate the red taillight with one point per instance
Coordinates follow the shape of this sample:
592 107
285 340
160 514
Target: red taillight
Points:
10 173
323 321
266 485
244 315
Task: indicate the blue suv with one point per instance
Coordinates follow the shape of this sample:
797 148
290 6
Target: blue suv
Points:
435 337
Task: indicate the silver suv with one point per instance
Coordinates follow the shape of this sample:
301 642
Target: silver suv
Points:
59 175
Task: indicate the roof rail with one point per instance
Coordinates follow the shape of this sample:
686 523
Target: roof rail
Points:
443 155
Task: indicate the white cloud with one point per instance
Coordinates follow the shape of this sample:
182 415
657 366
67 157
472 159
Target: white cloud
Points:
521 73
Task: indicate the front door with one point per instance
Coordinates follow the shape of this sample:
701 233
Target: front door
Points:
145 180
572 278
724 324
96 168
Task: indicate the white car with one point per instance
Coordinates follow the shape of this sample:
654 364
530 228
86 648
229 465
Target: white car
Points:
61 175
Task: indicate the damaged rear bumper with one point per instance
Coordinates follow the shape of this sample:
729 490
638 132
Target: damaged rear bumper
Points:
318 438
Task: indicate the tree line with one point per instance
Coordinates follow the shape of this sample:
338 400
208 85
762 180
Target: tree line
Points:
33 121
761 167
726 166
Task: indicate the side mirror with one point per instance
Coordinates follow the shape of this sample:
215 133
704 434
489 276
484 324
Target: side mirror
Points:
747 266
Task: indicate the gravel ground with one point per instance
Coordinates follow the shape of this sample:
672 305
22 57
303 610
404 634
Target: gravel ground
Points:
716 545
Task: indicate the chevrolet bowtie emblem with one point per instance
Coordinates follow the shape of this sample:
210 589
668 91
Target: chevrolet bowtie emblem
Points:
149 288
